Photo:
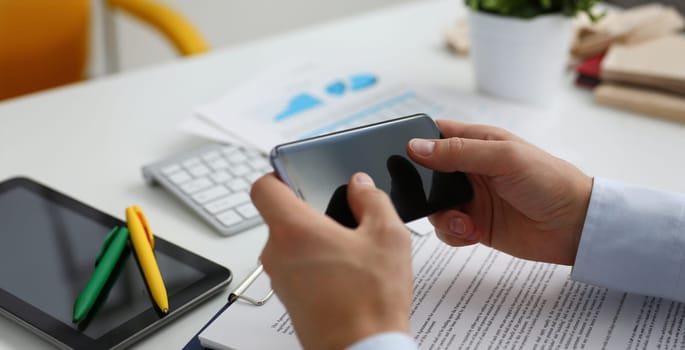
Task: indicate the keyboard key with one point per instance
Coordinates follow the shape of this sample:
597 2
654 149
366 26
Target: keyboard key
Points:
211 156
230 217
218 164
220 176
252 153
179 177
168 170
199 170
229 201
191 162
251 178
193 186
258 163
248 210
237 184
229 149
240 170
237 157
211 193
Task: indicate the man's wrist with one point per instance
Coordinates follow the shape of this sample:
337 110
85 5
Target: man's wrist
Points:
586 190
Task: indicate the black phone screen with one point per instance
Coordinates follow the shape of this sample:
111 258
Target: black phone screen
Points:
318 169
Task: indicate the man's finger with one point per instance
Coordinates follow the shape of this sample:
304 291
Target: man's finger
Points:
454 223
450 128
370 205
490 158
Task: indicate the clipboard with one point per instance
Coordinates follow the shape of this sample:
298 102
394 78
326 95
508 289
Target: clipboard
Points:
237 295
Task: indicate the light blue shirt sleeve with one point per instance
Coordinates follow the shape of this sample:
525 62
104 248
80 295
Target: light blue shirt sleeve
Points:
633 240
385 341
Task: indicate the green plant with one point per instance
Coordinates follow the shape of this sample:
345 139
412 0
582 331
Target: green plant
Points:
532 8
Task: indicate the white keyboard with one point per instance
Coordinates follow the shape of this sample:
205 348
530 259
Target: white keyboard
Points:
214 181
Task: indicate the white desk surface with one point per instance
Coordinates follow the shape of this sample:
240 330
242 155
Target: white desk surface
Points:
90 140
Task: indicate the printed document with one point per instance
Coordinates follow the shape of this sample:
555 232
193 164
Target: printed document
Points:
478 298
300 99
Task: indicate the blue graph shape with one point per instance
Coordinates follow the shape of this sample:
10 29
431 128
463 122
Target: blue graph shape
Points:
362 81
336 88
383 105
298 104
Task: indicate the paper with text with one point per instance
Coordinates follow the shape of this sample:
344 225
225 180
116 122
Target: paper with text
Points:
478 298
296 100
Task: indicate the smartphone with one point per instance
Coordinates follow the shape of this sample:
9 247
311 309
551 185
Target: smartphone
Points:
319 168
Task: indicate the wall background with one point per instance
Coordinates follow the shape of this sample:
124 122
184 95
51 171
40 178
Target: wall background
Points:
222 22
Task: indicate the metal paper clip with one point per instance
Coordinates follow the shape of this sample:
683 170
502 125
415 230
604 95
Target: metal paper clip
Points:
237 294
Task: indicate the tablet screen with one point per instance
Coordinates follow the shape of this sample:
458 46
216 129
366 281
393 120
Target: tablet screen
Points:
48 251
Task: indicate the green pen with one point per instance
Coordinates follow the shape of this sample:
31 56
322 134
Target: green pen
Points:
111 250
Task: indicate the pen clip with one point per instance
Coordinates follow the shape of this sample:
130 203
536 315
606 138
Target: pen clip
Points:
146 225
106 243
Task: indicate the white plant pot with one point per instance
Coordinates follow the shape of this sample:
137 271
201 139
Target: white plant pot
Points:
520 59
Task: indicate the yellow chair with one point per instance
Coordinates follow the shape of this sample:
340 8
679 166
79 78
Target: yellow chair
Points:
45 43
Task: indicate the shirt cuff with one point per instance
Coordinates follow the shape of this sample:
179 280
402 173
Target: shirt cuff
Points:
633 240
388 340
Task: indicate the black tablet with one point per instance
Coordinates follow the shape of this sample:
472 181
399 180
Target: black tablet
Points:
48 246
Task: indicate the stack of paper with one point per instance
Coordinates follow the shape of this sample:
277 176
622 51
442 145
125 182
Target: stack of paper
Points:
647 78
658 64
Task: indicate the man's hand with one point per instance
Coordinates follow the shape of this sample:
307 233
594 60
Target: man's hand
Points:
339 285
526 202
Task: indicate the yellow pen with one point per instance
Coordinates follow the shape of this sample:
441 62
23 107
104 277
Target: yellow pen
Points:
143 244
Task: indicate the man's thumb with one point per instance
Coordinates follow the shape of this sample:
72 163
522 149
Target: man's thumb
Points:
368 203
